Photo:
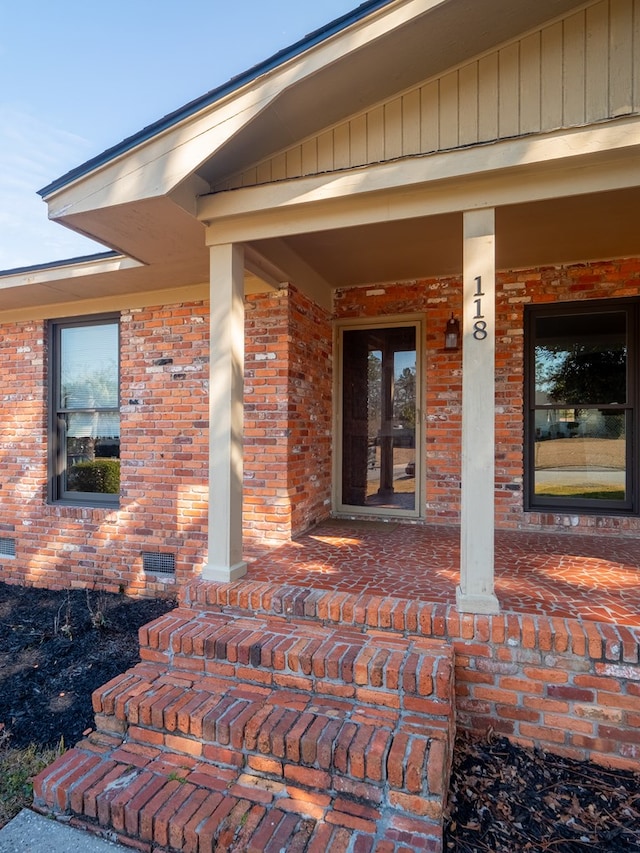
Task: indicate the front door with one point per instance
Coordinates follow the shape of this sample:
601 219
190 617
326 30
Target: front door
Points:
380 426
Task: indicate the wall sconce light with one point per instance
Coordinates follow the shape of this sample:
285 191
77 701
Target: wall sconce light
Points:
452 334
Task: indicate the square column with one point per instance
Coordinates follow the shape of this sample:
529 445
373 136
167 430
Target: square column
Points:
226 414
476 591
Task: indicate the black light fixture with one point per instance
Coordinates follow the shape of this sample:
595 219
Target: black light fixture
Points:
452 334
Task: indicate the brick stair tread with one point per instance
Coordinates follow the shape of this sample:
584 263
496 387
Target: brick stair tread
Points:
303 655
224 720
239 732
162 802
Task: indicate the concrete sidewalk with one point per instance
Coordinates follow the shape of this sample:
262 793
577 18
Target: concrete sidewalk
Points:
29 832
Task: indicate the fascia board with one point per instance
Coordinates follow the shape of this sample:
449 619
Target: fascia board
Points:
49 274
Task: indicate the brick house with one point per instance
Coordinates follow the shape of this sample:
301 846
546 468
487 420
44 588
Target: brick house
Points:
392 273
480 169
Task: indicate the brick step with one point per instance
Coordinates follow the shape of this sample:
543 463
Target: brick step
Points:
229 719
233 723
377 668
158 802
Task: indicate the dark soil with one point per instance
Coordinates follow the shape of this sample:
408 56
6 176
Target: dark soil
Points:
504 799
57 647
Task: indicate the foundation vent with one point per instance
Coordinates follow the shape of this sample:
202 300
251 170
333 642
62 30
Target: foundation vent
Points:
155 563
7 547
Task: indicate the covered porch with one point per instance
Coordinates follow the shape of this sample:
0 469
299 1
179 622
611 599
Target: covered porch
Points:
575 576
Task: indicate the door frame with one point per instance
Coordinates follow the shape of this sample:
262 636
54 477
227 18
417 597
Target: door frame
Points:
384 322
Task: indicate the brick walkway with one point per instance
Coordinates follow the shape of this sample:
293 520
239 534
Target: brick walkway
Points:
594 577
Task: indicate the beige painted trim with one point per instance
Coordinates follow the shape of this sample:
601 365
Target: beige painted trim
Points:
476 594
226 415
117 302
297 271
383 322
574 162
66 271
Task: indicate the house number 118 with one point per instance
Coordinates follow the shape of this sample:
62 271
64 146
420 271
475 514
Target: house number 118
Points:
479 323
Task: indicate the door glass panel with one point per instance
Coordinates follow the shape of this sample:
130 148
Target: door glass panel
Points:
379 418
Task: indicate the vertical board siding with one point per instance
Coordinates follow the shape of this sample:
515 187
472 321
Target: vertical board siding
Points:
530 84
430 117
488 98
393 129
449 111
583 68
358 141
551 77
375 136
411 123
597 61
342 147
468 104
509 91
573 84
621 46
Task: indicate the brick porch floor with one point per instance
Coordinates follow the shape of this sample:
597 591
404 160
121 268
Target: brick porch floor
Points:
568 575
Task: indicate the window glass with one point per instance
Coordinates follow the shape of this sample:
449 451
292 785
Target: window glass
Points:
89 367
581 359
581 453
86 430
581 414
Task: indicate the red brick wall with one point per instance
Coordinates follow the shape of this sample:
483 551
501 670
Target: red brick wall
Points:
287 415
164 445
164 459
436 298
267 511
310 412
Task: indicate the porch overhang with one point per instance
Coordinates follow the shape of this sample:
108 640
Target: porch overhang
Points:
562 197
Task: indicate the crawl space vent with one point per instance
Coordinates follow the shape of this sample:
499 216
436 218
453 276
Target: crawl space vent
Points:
154 563
7 547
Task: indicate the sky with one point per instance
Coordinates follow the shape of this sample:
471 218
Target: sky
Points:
78 76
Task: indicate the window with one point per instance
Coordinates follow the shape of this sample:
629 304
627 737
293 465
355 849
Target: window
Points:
85 411
581 407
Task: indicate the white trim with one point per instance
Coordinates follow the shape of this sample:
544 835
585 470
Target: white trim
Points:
66 271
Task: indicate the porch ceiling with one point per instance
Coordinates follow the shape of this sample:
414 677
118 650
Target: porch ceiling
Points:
564 230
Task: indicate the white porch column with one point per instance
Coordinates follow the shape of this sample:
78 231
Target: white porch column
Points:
476 591
226 383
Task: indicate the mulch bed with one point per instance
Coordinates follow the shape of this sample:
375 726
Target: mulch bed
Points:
57 647
504 799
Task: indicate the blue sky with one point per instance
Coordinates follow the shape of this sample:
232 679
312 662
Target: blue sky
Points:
78 76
